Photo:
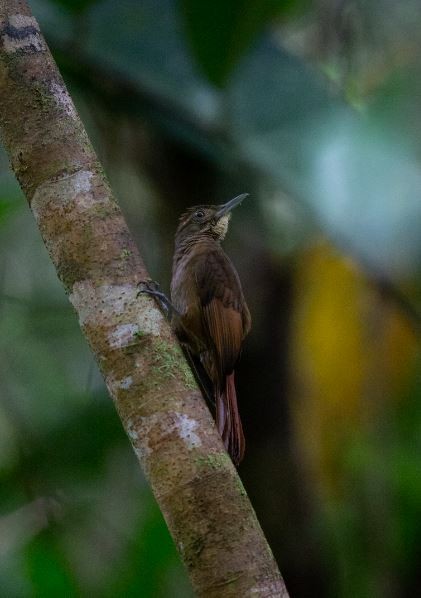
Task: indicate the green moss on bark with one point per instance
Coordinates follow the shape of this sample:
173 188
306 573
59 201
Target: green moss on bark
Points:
169 362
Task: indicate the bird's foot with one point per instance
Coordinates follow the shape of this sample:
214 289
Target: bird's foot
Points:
150 287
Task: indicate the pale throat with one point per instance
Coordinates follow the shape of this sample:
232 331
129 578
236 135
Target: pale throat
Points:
221 227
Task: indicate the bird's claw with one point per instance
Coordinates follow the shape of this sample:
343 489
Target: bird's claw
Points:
147 287
151 288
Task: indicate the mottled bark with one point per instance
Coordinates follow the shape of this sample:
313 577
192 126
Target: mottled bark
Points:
203 501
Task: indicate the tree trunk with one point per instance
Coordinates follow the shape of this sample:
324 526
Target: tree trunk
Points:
203 501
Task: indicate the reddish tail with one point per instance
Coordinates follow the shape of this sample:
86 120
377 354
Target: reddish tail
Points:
228 421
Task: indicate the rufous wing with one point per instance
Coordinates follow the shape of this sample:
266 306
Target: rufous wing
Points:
224 313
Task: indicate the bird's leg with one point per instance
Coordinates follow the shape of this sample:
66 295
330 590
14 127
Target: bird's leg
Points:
150 287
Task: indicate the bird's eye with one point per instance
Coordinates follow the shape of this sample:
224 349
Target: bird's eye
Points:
199 214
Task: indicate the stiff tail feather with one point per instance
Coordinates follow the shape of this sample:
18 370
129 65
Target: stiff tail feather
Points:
228 421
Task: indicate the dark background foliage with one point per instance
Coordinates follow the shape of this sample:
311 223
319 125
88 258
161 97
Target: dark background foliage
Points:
313 108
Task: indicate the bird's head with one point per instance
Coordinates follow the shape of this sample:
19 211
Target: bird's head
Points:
206 220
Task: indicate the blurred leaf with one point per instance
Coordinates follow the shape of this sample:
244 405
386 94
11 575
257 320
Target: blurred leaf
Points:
330 354
7 207
220 31
75 6
278 114
77 454
145 43
148 562
354 362
48 571
11 197
358 178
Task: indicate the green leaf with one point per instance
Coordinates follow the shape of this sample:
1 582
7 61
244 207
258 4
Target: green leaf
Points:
7 207
48 570
11 197
75 6
220 31
151 568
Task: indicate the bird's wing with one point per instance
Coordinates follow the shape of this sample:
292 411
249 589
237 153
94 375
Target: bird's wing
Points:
223 308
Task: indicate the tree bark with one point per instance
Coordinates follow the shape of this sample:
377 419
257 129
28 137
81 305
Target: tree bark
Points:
172 432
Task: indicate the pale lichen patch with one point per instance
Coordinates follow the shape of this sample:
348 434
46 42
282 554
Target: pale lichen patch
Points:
114 385
163 424
22 33
81 181
270 590
185 427
63 99
18 21
111 299
116 297
122 335
75 187
141 454
81 298
126 382
142 450
150 320
131 430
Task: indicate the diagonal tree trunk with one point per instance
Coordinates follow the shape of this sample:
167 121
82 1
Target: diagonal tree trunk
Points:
203 501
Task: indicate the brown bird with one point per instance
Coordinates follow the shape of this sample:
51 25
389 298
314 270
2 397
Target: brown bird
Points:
212 317
209 313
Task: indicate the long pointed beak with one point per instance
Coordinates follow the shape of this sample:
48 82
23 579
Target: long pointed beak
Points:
231 204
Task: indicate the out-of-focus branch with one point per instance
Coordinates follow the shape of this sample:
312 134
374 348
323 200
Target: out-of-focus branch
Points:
203 501
385 287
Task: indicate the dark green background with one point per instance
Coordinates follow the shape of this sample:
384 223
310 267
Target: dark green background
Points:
311 107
